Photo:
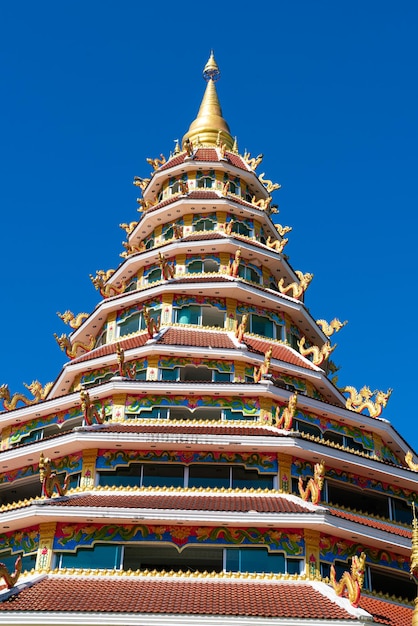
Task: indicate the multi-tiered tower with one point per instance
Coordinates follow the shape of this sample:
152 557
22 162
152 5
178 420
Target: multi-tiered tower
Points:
194 457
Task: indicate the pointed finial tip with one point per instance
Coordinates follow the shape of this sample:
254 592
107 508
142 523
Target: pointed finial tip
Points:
211 70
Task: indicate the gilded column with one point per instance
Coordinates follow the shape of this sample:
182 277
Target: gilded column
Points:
231 312
312 553
266 416
118 408
224 258
88 471
46 544
285 472
221 218
152 369
111 327
239 372
187 224
167 309
180 264
158 235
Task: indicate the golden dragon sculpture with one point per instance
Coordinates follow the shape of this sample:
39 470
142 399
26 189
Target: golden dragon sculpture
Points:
408 460
132 248
352 581
254 162
233 267
297 289
153 326
262 203
314 484
106 291
141 182
241 327
129 228
283 230
333 327
156 163
359 401
276 244
167 269
414 554
319 355
264 368
11 579
268 184
90 412
71 349
285 420
74 321
125 370
50 480
37 390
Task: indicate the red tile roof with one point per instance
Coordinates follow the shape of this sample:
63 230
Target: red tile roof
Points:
280 352
175 596
206 155
191 428
189 502
135 341
386 612
373 523
199 338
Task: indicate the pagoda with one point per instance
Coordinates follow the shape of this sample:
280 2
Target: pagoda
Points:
195 460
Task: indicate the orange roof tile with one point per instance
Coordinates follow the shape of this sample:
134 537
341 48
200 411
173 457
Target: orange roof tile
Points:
373 523
207 155
198 338
190 428
175 596
280 352
386 612
191 502
135 341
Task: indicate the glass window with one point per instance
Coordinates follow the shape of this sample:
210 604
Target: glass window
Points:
189 314
243 478
209 476
9 560
169 374
130 325
161 557
204 224
401 511
163 475
102 556
154 275
206 182
221 377
254 560
260 325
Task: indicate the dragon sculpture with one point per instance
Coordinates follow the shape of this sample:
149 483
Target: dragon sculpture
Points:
141 182
314 485
358 401
144 205
155 163
319 355
106 291
298 289
153 326
225 188
283 230
74 321
131 248
188 147
263 203
264 368
125 370
408 460
167 270
178 231
268 184
128 228
39 393
233 267
90 412
285 421
241 328
49 479
71 349
228 227
276 244
414 554
11 579
333 327
351 581
254 162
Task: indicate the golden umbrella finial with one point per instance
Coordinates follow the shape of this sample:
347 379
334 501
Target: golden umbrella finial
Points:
209 128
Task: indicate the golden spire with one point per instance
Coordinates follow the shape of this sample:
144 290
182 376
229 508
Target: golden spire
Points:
209 128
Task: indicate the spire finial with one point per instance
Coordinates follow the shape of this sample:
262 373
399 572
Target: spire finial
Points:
209 121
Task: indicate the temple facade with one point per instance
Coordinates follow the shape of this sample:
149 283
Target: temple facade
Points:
195 460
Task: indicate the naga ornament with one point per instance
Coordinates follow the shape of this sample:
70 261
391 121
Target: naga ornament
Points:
155 163
106 291
167 270
11 579
263 203
254 162
49 479
285 420
408 460
268 184
90 412
141 182
241 327
264 368
333 327
276 244
131 248
319 355
153 326
71 349
298 289
128 228
125 370
283 230
40 393
361 400
74 321
314 485
352 581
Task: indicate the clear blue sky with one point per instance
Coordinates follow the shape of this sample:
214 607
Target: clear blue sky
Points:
326 90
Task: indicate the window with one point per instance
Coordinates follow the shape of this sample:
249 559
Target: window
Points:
205 224
241 229
262 325
260 560
308 429
250 273
134 321
9 560
206 182
153 275
200 315
102 556
198 266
